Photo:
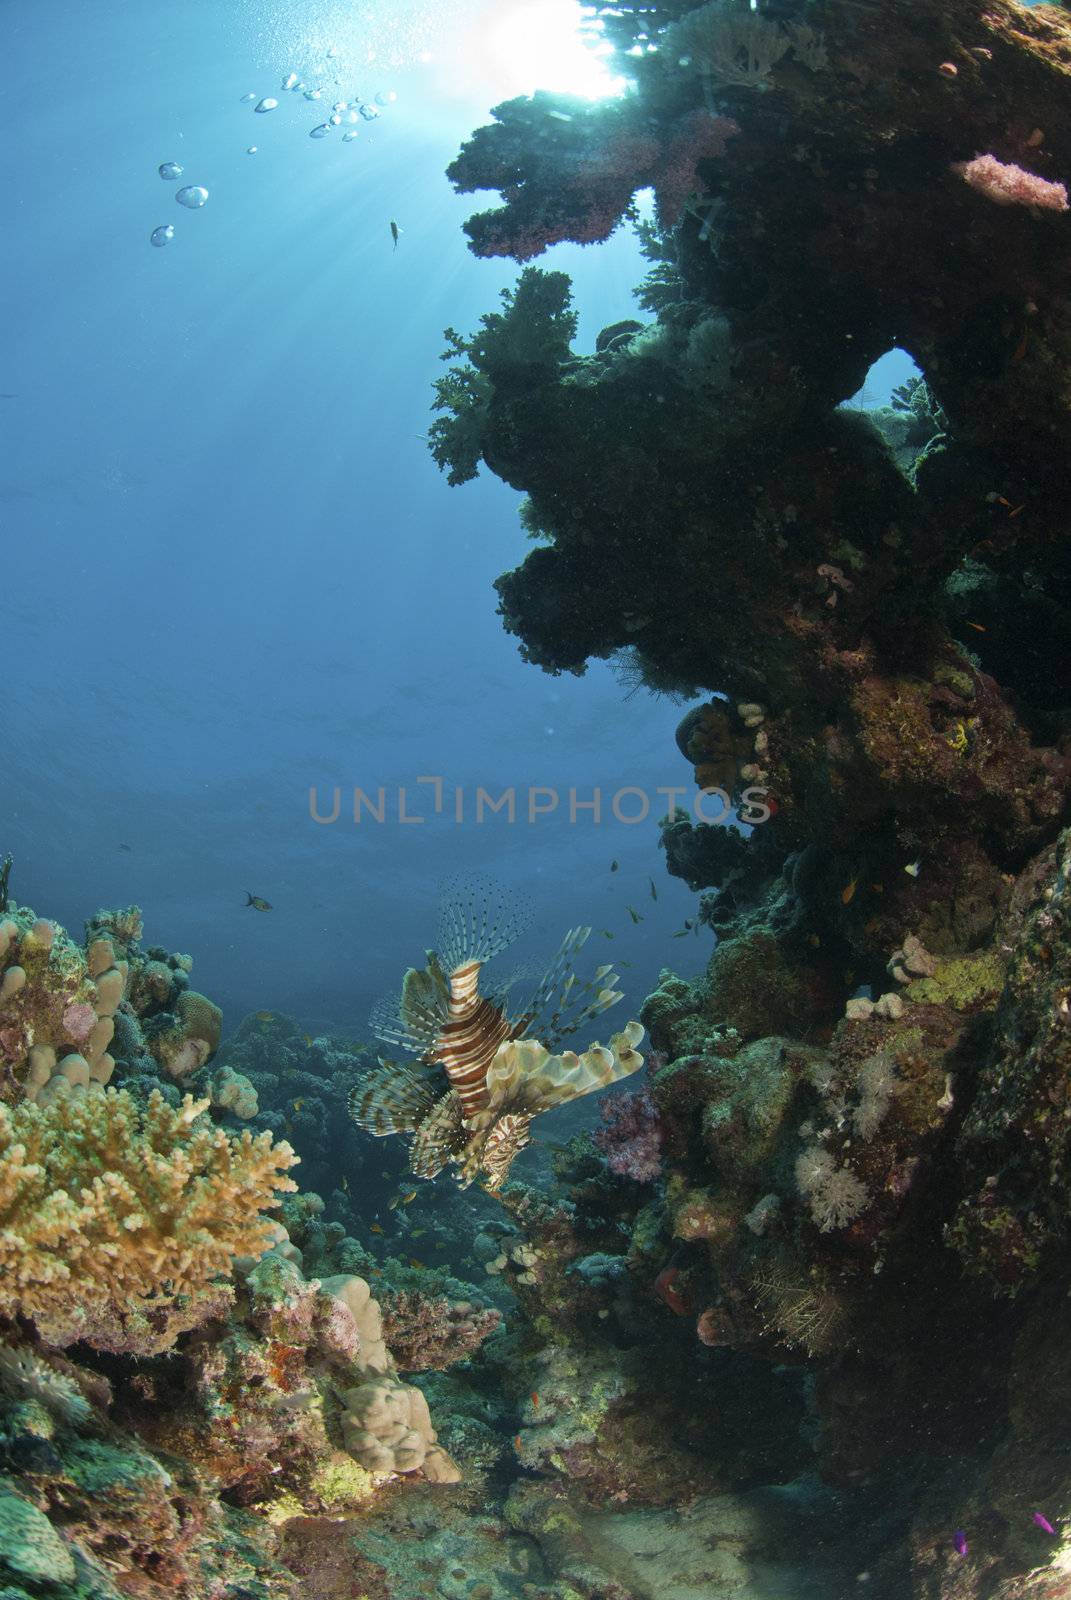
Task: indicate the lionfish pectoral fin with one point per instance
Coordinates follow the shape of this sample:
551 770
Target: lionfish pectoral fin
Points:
439 1137
393 1098
413 1019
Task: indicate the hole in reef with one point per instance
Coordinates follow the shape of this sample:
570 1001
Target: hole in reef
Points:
887 373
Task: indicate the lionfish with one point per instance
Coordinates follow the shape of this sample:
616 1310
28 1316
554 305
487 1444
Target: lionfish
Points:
476 1078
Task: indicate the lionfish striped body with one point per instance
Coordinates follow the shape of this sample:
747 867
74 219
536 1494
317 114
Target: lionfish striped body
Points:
457 1035
471 1035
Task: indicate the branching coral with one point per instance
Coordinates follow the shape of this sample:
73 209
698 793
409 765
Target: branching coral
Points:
118 1226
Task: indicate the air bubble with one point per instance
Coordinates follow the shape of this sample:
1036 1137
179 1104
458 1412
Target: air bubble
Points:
193 197
162 235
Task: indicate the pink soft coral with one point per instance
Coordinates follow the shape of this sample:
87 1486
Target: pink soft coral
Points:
631 1140
1008 185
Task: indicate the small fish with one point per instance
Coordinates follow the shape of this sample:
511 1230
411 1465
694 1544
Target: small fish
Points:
814 941
682 933
265 1016
409 1197
126 847
847 894
419 1265
394 232
308 1040
440 1245
959 1542
654 891
534 1397
392 1204
288 1128
384 1174
375 1228
614 865
344 1184
296 1105
878 888
256 902
979 627
633 913
913 869
1043 1523
516 1441
418 1233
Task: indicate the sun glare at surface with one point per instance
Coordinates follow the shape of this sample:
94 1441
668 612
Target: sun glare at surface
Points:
524 45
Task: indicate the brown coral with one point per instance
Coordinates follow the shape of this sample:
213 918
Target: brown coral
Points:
428 1334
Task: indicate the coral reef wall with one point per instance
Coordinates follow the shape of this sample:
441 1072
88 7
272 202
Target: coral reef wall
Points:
841 1201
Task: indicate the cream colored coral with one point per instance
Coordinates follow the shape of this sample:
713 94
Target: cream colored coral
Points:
356 1296
387 1428
111 1215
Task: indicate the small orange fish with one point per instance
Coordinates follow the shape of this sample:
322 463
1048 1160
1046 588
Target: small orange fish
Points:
977 626
419 1265
296 1105
847 894
409 1197
878 888
1017 510
265 1016
517 1442
534 1399
375 1228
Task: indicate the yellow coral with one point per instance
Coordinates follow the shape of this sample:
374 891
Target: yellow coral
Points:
119 1224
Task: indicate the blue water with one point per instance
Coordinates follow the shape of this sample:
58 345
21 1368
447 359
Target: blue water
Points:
231 569
232 573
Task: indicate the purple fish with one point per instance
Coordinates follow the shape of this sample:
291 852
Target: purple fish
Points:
1043 1523
959 1542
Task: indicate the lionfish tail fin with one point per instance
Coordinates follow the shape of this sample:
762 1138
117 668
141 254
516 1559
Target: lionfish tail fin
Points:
478 919
562 1004
393 1098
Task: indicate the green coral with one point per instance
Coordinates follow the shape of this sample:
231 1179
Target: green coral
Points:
962 982
341 1483
531 332
29 1545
